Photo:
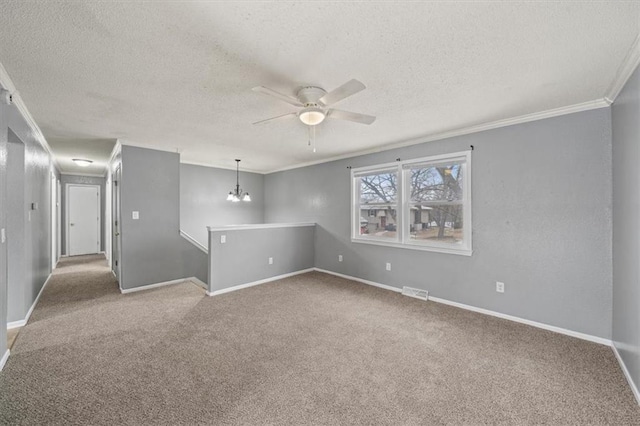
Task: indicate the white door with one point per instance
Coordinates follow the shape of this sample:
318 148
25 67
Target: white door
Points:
83 218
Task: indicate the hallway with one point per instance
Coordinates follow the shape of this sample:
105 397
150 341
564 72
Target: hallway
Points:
84 345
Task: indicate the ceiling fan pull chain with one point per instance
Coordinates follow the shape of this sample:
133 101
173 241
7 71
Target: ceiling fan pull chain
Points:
313 130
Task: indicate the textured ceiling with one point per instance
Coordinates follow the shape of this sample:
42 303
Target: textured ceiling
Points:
178 75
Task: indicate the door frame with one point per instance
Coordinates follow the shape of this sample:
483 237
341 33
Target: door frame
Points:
116 230
116 224
59 224
54 221
67 215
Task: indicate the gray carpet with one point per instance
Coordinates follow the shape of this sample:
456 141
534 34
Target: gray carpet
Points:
310 349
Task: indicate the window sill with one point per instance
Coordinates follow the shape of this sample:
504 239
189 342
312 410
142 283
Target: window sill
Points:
446 250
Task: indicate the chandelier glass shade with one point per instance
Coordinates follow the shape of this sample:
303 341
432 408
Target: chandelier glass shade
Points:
237 194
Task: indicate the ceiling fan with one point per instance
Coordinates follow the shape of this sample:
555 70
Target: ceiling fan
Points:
315 103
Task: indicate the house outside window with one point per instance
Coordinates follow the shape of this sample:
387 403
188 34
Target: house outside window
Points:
422 204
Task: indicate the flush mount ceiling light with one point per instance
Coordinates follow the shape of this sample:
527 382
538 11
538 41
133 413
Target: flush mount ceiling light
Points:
82 162
237 194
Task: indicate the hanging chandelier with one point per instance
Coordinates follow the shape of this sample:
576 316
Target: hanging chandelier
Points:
237 194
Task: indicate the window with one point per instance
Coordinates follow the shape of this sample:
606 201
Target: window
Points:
422 204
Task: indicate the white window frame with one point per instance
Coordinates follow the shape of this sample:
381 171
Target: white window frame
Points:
403 237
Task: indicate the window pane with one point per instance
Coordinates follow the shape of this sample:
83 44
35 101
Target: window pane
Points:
376 221
438 222
438 182
379 188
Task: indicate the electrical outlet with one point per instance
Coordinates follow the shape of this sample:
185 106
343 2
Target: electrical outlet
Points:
271 261
3 235
499 287
339 258
223 239
135 215
388 266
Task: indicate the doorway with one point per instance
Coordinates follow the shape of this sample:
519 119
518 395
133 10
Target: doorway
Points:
83 219
16 229
54 221
115 194
59 221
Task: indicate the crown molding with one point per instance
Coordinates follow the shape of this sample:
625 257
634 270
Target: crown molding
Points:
126 142
123 142
212 166
7 84
625 71
556 112
114 152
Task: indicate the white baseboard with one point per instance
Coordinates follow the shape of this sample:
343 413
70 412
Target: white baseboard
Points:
251 284
4 359
23 322
198 282
627 375
16 324
583 336
150 286
360 280
543 326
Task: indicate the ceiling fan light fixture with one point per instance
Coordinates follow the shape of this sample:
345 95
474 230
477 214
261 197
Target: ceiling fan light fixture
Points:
82 162
312 116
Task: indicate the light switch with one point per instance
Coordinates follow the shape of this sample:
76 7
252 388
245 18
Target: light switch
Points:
3 235
135 215
223 239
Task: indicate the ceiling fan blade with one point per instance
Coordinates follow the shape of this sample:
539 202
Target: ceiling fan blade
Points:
275 118
282 97
351 87
351 116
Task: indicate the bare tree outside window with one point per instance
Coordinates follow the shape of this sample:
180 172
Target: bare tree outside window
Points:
436 202
378 204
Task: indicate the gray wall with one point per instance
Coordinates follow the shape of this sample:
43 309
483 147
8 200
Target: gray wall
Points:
37 236
85 180
541 196
203 192
244 258
626 225
152 249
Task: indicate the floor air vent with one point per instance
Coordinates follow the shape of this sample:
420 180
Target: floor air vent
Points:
415 292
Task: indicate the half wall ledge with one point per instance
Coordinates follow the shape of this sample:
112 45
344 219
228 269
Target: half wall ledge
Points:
244 255
258 226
